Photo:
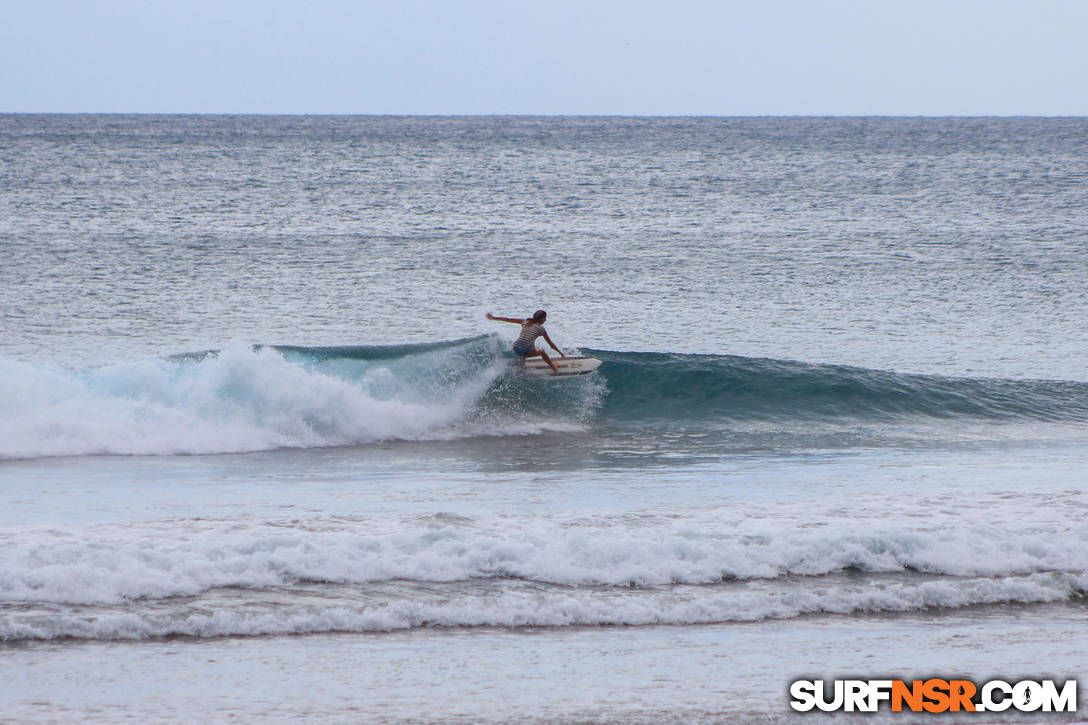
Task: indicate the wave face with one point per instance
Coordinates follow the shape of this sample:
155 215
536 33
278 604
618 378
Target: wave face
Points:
663 385
245 398
206 578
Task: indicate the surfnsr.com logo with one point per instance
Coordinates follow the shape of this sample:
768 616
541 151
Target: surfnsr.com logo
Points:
933 695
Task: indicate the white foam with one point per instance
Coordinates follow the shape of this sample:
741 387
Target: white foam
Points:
539 608
110 564
238 400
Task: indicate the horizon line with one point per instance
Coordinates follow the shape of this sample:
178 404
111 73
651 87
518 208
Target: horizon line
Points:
307 114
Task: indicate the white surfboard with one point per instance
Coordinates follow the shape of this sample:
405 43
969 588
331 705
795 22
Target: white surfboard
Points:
568 367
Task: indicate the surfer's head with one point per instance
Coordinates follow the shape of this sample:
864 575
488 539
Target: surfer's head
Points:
540 316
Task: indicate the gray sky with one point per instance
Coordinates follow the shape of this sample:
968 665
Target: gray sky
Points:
675 57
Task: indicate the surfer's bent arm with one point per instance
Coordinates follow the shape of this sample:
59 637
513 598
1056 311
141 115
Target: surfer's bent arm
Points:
515 320
549 341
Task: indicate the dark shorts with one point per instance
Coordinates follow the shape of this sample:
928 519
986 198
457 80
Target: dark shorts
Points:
522 350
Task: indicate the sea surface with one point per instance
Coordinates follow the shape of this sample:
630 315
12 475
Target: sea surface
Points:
262 457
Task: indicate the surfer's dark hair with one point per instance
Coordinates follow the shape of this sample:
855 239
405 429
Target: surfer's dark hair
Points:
539 316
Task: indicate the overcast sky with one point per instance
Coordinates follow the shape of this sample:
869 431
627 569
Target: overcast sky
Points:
674 57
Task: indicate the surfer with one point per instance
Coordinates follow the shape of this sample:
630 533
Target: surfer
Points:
531 329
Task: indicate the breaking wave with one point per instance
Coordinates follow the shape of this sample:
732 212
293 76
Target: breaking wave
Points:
246 398
218 578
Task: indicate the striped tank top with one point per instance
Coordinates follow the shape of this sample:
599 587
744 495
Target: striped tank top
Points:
530 331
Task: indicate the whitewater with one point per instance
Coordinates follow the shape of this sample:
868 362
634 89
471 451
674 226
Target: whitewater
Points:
262 456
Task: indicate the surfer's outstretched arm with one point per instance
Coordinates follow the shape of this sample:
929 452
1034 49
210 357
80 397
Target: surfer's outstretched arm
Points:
554 347
515 320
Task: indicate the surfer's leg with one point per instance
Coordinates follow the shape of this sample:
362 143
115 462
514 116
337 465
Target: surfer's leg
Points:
537 352
554 367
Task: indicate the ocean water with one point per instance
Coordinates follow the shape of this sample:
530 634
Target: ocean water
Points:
263 458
